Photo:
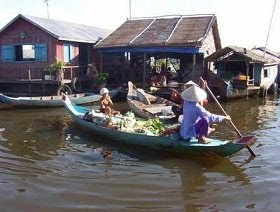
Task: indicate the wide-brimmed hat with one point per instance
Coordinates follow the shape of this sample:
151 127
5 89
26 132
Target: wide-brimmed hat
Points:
103 91
188 84
193 94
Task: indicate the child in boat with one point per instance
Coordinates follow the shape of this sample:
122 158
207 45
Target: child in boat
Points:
106 103
195 118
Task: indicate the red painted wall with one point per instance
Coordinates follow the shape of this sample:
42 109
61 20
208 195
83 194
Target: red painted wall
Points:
60 52
19 69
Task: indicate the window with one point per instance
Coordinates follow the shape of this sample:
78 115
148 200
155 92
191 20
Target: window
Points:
30 52
24 52
265 73
127 55
68 53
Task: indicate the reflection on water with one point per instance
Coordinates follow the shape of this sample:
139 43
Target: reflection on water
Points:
48 163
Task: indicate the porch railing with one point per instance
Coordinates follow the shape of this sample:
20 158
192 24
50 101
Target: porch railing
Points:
23 73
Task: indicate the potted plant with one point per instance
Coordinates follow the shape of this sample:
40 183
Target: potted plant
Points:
54 69
101 79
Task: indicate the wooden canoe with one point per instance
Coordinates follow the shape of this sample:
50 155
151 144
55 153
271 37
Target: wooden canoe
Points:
54 101
171 143
155 108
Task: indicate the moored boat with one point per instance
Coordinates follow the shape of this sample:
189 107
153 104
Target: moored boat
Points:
148 106
54 101
171 143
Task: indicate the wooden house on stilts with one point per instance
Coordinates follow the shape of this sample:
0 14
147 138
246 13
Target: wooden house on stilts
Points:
235 72
29 45
133 51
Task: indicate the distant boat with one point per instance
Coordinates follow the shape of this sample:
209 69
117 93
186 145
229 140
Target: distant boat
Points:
170 143
148 106
54 101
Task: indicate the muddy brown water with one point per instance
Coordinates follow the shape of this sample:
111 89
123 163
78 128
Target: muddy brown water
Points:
47 163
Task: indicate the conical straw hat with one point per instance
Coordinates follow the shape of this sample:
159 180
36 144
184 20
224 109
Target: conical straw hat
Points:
194 94
190 83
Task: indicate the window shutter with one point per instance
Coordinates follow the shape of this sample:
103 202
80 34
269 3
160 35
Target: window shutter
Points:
41 52
72 53
8 53
66 53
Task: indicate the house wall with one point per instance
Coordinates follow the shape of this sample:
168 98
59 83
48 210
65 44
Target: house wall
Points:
34 35
266 81
186 66
95 56
209 43
278 76
60 52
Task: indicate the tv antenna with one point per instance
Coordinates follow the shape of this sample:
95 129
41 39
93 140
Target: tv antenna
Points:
269 27
47 2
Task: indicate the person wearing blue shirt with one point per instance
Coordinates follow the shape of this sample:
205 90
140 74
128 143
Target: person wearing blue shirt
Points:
196 118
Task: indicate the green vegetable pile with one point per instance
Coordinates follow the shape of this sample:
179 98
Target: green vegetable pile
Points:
152 127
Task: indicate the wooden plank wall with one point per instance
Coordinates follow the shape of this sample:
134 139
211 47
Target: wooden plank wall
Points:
11 36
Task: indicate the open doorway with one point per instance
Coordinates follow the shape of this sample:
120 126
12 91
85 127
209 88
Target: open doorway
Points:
83 54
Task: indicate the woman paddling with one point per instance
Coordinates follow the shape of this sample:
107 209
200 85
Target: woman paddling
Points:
196 119
177 98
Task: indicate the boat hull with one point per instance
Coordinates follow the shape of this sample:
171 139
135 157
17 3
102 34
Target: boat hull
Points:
53 101
142 110
170 144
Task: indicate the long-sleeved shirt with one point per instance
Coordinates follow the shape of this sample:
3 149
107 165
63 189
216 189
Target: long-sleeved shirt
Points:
192 112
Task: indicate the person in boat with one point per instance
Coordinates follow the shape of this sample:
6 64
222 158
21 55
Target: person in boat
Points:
106 103
177 98
196 119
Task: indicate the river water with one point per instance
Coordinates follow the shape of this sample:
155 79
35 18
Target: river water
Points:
47 163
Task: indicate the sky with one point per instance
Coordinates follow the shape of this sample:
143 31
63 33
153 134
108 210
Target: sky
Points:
242 23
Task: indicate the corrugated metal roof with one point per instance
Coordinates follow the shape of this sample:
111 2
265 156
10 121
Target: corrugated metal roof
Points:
126 32
246 53
188 31
65 30
191 30
157 33
269 57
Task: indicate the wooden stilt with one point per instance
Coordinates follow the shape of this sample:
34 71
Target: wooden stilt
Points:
247 72
144 71
193 66
101 63
29 89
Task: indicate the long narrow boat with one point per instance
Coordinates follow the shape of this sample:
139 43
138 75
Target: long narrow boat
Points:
170 143
148 106
54 101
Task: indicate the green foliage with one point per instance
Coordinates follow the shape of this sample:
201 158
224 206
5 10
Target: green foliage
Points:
102 78
154 126
55 67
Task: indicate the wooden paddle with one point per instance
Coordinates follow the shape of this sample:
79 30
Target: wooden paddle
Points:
235 128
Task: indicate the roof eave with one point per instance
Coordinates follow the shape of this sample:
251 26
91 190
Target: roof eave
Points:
30 21
8 24
77 40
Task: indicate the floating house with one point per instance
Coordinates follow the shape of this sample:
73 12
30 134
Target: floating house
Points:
29 45
133 50
234 72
